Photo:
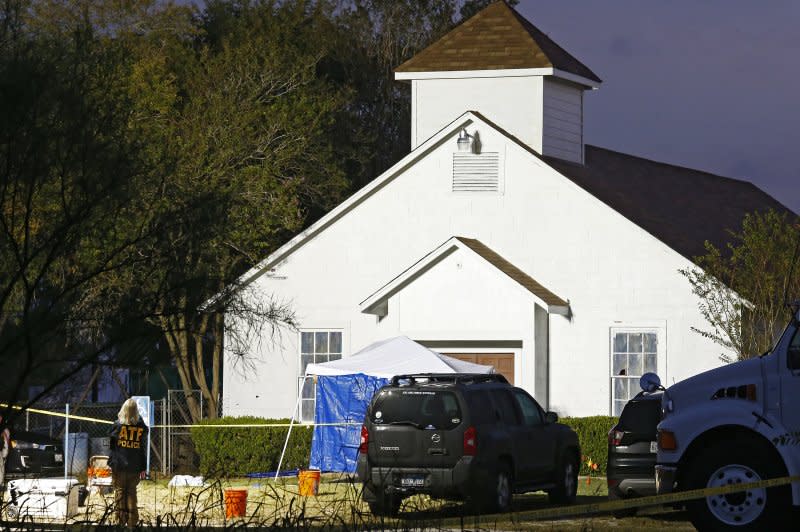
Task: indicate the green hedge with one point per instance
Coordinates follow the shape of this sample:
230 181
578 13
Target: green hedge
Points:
593 436
232 452
238 451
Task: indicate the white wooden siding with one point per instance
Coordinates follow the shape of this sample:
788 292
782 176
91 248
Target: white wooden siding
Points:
562 121
613 273
514 103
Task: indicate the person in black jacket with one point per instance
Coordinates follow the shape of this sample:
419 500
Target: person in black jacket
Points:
128 461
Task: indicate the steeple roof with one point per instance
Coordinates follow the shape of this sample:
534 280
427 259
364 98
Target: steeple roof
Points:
497 37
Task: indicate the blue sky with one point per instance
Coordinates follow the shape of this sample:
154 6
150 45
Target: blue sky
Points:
709 84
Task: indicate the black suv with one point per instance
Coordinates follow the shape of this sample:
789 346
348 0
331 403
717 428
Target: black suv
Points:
34 454
462 436
632 448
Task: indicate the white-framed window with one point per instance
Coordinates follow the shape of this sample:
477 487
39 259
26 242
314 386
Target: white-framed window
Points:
634 352
316 346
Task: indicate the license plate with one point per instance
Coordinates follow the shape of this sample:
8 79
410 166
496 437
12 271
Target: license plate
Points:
653 447
412 481
58 457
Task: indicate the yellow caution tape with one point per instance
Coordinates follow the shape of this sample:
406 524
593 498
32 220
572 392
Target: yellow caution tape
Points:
653 500
546 513
255 425
56 414
210 426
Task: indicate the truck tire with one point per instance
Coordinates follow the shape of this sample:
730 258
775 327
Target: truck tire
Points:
566 480
734 463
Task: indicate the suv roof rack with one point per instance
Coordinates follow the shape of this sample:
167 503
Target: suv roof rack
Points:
455 378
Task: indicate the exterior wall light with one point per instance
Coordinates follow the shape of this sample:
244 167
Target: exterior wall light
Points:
464 141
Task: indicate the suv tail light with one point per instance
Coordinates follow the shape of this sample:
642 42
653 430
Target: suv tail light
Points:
615 437
362 447
470 441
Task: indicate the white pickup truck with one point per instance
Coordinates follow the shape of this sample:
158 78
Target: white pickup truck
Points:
735 424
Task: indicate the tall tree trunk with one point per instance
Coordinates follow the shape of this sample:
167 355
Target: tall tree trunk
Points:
199 335
216 360
186 339
176 334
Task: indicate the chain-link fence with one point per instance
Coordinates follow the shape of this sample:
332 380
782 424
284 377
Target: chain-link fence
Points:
171 448
181 409
38 420
86 434
84 431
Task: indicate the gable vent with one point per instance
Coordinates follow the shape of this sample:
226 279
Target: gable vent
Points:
476 172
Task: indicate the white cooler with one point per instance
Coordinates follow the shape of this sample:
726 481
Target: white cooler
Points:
49 498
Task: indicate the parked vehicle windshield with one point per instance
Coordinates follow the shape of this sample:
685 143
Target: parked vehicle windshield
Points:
641 416
424 409
791 328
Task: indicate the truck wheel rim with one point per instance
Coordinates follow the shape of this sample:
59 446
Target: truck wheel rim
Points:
736 508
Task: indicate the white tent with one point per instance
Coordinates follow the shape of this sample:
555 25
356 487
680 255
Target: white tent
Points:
396 356
383 360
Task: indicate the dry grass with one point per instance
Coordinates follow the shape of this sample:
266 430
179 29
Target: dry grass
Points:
338 505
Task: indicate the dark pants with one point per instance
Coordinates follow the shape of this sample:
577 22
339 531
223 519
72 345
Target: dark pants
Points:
125 497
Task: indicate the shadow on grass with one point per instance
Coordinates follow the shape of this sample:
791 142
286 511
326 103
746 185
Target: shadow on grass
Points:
459 515
427 509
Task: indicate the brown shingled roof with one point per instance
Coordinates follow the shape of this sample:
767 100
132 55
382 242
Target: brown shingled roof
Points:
497 37
680 206
512 271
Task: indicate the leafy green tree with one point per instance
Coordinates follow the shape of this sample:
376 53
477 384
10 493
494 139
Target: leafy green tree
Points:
743 289
153 152
272 112
234 125
67 212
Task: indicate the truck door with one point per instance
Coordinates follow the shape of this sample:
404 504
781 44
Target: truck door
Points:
790 385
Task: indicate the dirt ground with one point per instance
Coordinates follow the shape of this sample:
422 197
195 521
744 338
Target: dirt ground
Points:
338 505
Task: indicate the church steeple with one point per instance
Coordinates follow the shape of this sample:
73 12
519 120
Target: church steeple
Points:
501 65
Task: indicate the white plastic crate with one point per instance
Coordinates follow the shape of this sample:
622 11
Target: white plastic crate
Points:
98 475
48 498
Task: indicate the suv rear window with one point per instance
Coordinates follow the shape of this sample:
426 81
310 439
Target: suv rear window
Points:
432 409
641 417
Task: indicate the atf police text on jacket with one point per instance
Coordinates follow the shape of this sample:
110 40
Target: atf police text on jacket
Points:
128 447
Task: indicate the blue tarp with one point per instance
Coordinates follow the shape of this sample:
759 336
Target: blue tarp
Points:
341 399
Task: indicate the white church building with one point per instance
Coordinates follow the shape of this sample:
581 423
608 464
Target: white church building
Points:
502 239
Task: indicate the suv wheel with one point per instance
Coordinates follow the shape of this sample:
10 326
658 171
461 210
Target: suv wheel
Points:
566 488
754 509
500 489
385 504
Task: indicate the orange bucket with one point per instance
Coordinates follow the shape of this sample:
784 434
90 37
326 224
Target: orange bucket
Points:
235 503
308 480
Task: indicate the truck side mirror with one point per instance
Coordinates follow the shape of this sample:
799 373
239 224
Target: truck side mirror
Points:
551 417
